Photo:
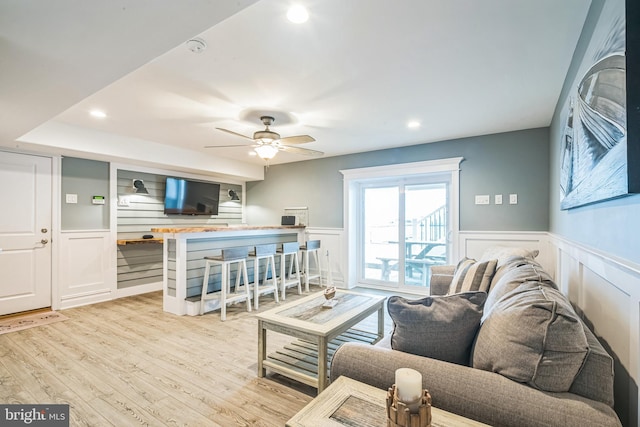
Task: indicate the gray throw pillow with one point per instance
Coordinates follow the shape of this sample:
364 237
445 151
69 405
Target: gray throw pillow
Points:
532 335
440 327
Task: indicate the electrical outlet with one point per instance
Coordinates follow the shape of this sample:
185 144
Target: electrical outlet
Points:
71 198
498 199
123 201
513 199
482 199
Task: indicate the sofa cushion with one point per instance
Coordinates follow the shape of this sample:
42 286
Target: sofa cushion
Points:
502 253
595 379
440 327
514 272
532 335
471 275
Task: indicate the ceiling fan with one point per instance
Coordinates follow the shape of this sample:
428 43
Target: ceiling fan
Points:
268 143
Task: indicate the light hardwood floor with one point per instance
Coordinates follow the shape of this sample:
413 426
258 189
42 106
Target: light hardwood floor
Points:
126 362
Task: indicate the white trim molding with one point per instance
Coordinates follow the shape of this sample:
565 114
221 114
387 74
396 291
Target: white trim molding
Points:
354 177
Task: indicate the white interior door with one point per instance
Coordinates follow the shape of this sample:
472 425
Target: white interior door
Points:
25 232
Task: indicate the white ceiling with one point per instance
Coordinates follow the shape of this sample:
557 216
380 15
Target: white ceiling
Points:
351 77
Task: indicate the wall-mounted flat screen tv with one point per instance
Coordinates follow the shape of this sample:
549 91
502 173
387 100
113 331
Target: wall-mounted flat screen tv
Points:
189 197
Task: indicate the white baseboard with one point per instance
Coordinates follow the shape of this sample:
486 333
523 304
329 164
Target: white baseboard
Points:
138 290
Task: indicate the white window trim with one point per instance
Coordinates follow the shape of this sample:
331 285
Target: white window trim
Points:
352 178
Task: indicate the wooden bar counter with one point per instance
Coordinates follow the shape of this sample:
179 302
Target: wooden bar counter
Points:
184 251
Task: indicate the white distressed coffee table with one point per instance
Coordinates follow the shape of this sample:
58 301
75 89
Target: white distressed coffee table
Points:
318 329
348 402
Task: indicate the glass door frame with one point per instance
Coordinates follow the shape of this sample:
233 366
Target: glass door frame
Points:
400 184
353 181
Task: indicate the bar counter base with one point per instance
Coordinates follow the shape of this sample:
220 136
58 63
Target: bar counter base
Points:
184 251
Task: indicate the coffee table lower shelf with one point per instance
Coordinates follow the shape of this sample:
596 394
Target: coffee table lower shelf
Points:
299 359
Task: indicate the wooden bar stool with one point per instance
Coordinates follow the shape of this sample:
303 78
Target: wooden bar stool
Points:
228 258
266 252
311 249
292 276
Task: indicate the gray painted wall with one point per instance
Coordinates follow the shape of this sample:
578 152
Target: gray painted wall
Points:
86 178
513 162
613 226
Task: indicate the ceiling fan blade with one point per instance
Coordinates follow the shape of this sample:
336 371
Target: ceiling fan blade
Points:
227 146
300 150
235 133
298 139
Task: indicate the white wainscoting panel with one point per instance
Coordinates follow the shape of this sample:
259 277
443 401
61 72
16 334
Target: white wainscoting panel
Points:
332 243
473 243
87 268
607 290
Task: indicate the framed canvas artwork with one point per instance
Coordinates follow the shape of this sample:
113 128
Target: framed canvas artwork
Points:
599 148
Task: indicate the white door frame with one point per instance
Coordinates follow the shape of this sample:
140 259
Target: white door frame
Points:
55 218
56 170
353 176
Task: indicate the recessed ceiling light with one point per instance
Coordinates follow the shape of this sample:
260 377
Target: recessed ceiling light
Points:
297 14
413 124
98 114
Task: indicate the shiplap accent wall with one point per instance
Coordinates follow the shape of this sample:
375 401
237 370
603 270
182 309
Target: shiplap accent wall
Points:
141 264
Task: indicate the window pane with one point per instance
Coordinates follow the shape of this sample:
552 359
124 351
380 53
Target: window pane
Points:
425 231
380 228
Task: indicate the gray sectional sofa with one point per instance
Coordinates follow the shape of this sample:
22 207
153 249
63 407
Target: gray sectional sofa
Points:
505 348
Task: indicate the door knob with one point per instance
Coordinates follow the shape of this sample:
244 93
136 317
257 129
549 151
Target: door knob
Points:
44 241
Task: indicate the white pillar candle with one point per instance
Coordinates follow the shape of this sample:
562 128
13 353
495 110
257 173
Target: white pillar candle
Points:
408 384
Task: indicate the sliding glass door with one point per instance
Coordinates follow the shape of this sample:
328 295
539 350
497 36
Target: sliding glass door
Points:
404 230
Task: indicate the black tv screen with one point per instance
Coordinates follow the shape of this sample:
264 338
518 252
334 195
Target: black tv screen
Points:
188 197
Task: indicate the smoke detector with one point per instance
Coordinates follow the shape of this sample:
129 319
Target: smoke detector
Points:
196 45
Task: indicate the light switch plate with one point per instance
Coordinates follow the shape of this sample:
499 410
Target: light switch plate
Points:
482 199
513 199
498 199
71 198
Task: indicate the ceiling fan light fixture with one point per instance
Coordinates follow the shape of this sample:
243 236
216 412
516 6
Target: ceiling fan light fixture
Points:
266 152
266 136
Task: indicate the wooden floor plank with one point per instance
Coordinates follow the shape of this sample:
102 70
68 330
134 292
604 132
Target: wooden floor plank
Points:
127 362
